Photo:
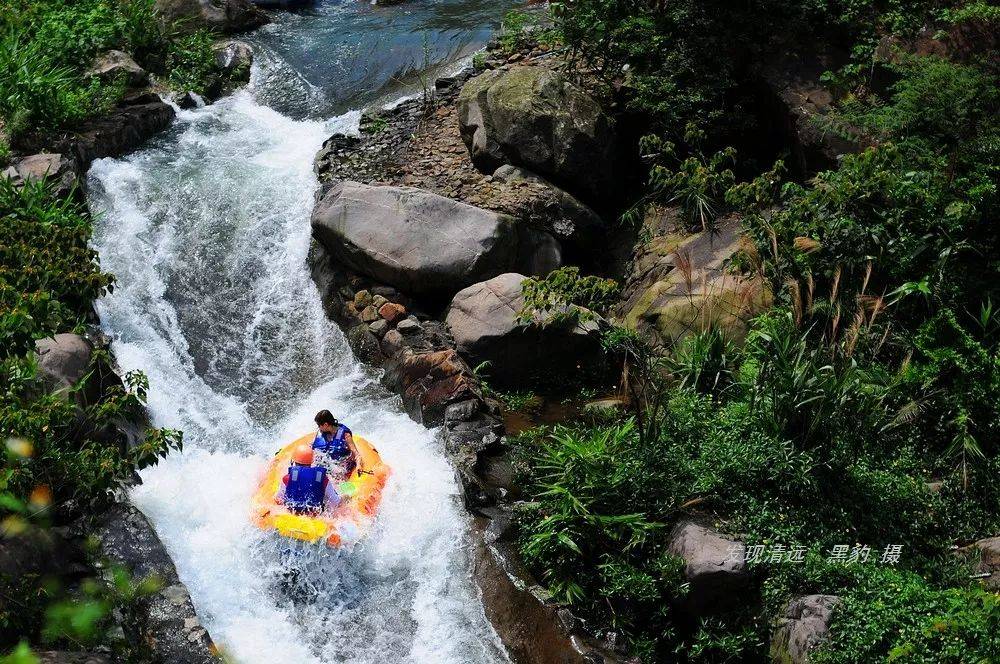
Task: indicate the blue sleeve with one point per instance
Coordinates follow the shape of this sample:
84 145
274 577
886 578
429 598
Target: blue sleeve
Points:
331 495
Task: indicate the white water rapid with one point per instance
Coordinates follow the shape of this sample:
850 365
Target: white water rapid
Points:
207 230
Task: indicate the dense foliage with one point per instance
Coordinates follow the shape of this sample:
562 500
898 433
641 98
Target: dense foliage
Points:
65 454
876 372
46 47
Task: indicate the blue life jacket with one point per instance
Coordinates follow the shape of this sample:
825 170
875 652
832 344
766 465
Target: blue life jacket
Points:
305 487
335 448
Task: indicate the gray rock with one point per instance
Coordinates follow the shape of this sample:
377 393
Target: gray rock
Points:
234 58
379 327
409 326
369 314
715 568
63 360
423 243
483 319
59 170
803 626
378 301
117 64
226 16
364 343
165 620
571 222
534 117
123 129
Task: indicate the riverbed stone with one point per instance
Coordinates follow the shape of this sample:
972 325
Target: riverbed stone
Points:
379 327
392 312
429 381
483 319
409 326
423 243
803 626
115 65
364 343
534 117
60 171
715 568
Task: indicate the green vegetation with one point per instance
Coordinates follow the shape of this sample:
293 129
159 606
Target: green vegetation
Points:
46 47
876 371
65 454
564 295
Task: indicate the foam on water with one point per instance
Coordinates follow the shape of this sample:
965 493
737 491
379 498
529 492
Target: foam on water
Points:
207 232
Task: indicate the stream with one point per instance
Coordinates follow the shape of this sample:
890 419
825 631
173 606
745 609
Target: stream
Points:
207 231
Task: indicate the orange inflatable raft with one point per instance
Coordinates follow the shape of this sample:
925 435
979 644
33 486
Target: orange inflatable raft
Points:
360 493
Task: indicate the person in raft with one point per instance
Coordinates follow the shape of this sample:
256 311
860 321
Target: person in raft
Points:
335 445
306 488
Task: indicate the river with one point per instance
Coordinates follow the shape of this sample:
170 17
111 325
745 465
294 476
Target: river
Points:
207 230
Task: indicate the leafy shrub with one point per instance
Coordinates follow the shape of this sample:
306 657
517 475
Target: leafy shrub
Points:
48 273
191 63
564 295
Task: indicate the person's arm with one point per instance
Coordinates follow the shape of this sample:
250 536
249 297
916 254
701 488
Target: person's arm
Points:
349 439
330 495
279 497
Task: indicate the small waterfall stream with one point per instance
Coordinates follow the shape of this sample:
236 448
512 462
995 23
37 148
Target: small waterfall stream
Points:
207 230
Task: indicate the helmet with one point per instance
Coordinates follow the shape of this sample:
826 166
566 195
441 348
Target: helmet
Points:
303 454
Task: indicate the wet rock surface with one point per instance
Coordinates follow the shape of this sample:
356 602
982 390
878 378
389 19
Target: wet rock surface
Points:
68 657
165 621
804 625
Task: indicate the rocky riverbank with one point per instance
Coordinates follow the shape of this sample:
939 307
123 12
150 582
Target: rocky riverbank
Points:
162 625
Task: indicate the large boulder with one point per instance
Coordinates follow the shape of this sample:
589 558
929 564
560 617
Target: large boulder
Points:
60 171
423 243
715 568
796 104
483 319
63 360
577 227
115 65
534 117
226 16
802 627
680 282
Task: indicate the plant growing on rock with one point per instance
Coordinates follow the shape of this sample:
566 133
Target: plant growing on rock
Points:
564 296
